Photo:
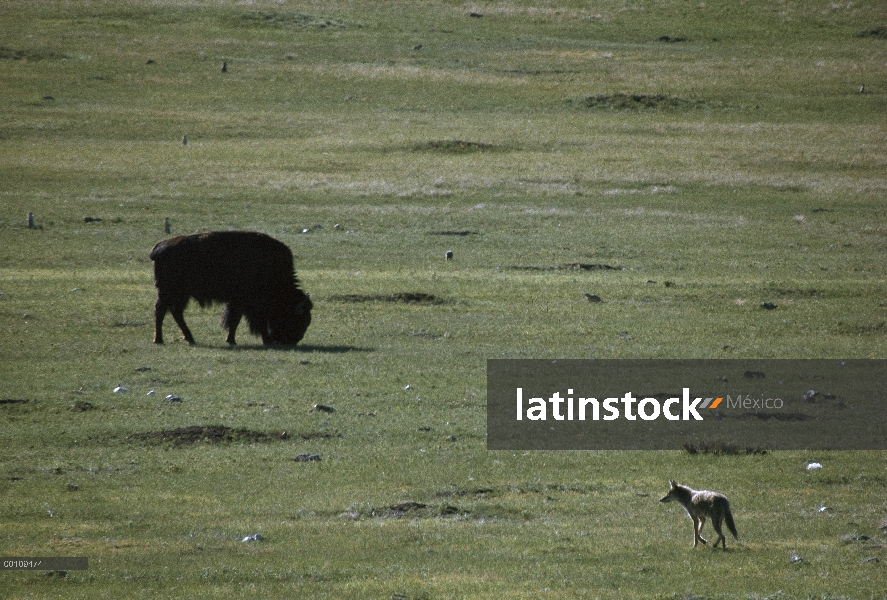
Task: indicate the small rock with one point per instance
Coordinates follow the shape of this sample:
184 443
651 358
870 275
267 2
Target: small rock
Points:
810 395
120 389
871 559
252 538
151 393
768 305
142 369
406 387
173 398
449 255
795 559
813 466
307 458
73 487
592 297
324 408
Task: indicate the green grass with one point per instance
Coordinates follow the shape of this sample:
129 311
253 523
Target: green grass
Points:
752 171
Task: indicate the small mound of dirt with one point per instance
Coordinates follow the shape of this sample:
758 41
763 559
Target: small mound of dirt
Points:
404 297
211 434
622 101
453 147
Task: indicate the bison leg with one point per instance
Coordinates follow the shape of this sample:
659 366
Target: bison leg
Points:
159 314
230 321
177 309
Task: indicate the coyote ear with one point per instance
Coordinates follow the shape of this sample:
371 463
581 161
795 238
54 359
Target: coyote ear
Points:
672 483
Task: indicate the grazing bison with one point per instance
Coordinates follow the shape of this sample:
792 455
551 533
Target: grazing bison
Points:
251 272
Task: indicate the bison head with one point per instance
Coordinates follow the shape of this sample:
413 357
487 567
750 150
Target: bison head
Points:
287 324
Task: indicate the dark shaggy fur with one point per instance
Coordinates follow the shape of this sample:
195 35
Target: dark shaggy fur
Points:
251 272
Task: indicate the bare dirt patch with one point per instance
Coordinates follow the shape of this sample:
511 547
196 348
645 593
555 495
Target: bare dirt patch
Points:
454 147
863 328
288 20
720 449
875 32
209 434
483 492
19 54
416 509
11 401
568 267
621 101
402 297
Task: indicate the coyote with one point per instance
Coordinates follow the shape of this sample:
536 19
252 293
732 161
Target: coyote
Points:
701 504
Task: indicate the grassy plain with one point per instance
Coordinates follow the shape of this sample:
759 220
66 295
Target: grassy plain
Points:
750 169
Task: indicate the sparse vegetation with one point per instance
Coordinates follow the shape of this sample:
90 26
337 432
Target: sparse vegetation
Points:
565 152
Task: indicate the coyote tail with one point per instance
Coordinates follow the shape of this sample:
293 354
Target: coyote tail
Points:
728 518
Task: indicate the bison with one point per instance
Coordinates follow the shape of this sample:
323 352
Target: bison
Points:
251 273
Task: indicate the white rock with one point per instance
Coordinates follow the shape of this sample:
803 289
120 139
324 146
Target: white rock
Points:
813 466
120 389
